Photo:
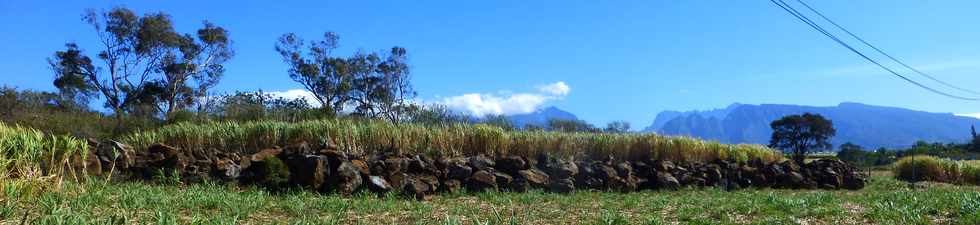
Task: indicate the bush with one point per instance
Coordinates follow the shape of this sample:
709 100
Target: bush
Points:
929 168
273 174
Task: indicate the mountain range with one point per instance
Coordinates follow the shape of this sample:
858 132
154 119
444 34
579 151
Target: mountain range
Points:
869 126
866 125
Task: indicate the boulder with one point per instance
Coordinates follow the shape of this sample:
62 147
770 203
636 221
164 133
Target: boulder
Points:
451 186
667 181
361 166
534 177
511 164
417 187
265 153
562 185
347 178
378 184
587 176
481 180
557 168
114 155
458 170
481 162
227 169
308 170
503 180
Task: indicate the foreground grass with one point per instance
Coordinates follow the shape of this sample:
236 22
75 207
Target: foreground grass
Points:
884 201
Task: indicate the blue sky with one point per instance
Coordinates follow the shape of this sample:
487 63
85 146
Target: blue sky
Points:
614 60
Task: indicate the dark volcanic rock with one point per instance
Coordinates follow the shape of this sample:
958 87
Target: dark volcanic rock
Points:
347 178
563 185
481 162
308 170
535 178
667 181
588 176
265 153
557 168
378 184
511 164
503 180
458 170
481 180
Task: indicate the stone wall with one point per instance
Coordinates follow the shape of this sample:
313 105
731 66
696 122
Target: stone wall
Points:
328 170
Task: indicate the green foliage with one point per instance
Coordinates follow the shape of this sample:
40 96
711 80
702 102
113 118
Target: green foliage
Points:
562 125
376 85
30 155
617 127
929 168
150 68
852 153
800 134
370 136
274 173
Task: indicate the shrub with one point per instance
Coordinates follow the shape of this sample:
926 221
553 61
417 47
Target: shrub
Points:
929 168
370 136
273 174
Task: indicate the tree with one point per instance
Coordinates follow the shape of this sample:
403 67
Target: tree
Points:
975 144
328 78
376 85
147 67
799 134
850 152
562 125
501 121
618 127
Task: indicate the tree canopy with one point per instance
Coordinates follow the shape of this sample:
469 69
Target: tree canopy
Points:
800 134
147 67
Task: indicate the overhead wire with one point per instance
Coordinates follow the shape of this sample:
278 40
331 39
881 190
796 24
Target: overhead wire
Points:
883 52
818 28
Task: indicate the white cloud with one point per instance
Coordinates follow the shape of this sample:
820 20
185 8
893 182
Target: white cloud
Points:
555 89
296 94
974 115
508 103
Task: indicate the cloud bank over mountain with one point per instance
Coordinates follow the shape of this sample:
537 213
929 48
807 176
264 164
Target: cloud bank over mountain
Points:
482 104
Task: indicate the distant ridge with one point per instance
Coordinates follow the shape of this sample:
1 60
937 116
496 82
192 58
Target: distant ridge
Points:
541 116
866 125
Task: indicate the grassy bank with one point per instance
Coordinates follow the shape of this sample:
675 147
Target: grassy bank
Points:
884 201
929 168
454 140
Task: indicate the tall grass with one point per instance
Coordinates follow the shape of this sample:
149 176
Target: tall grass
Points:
29 155
361 137
929 168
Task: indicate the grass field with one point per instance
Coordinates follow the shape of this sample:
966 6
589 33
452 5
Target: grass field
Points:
929 168
884 201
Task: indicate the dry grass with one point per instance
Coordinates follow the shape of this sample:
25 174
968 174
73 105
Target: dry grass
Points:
929 168
361 137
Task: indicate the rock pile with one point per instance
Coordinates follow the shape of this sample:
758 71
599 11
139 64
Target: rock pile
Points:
326 169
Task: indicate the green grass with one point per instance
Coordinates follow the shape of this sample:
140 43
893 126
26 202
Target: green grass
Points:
360 137
29 155
884 201
929 168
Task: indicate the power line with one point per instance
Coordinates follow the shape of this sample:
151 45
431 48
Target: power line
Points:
883 52
817 27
